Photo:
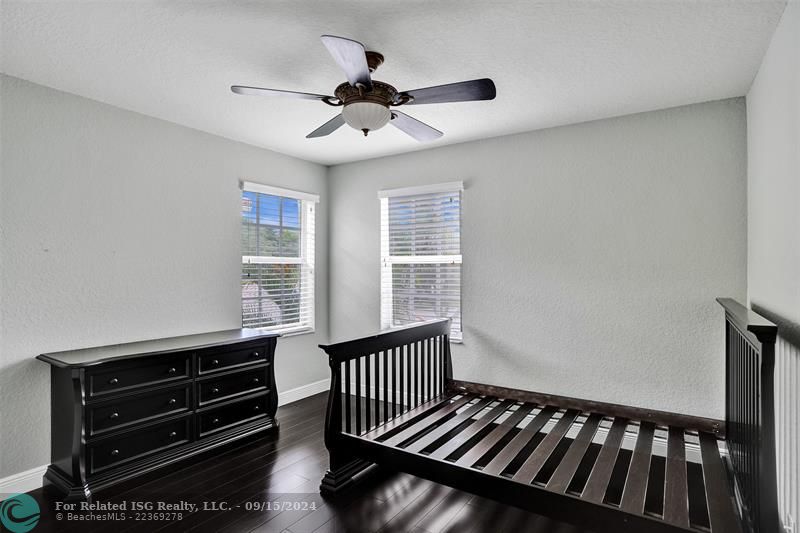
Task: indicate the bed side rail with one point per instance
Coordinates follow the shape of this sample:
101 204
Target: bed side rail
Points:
750 413
376 378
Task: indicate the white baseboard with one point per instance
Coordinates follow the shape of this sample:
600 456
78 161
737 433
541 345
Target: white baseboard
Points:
22 482
32 479
304 391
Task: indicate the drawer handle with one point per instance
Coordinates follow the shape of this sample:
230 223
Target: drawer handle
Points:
113 416
215 421
172 401
114 452
256 380
215 390
173 434
113 381
215 362
256 408
255 355
172 370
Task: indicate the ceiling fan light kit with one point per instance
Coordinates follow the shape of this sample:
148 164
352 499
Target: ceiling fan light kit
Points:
366 116
366 102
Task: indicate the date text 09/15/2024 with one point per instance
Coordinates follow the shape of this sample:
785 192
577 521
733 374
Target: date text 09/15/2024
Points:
184 506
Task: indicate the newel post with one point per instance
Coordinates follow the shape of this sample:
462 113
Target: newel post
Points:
343 466
769 515
333 412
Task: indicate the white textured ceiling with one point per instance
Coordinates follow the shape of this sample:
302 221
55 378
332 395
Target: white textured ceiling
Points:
554 62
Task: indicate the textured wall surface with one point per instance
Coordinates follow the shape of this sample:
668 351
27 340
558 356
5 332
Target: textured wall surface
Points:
592 253
773 154
773 245
118 227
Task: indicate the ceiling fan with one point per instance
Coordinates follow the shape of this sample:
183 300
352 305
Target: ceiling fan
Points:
367 104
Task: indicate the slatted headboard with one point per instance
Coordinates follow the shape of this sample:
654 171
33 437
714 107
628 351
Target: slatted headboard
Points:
750 413
366 393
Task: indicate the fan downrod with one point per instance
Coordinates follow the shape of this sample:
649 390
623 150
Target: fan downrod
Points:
374 60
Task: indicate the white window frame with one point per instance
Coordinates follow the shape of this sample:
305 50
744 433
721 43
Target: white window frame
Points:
387 260
308 201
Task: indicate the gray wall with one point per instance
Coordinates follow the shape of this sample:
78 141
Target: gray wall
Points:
118 227
592 253
773 154
773 244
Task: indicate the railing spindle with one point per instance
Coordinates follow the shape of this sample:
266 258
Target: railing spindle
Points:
358 396
414 376
378 388
428 358
442 364
436 369
421 353
368 393
348 392
394 382
385 386
407 381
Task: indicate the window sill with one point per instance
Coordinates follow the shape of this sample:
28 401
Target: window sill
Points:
289 332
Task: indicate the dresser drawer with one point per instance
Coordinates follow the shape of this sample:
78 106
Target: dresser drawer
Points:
131 410
134 445
107 379
215 361
229 386
223 417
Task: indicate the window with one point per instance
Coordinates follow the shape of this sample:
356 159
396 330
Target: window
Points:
421 255
277 259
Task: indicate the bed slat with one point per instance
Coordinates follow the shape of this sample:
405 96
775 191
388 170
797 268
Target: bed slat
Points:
447 426
536 460
597 484
453 444
721 511
507 454
572 459
484 445
406 426
636 484
676 501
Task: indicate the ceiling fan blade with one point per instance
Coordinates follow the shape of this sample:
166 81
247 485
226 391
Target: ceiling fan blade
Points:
260 91
351 56
329 127
415 128
464 91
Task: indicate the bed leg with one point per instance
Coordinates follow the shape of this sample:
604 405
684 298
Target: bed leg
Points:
343 471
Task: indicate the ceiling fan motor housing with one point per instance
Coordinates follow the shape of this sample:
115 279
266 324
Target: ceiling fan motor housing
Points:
366 110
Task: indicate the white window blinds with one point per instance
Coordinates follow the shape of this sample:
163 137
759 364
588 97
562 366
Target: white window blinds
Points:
277 259
421 255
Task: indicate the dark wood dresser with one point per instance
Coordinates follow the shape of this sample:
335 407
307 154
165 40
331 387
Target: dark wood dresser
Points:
120 411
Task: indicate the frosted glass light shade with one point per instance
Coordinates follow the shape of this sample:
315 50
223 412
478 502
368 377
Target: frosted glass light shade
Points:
366 116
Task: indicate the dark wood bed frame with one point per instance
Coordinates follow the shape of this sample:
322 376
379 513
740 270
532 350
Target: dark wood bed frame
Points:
605 467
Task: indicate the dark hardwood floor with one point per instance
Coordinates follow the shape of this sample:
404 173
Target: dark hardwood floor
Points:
280 473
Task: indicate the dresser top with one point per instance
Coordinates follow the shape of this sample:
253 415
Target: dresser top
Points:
102 354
